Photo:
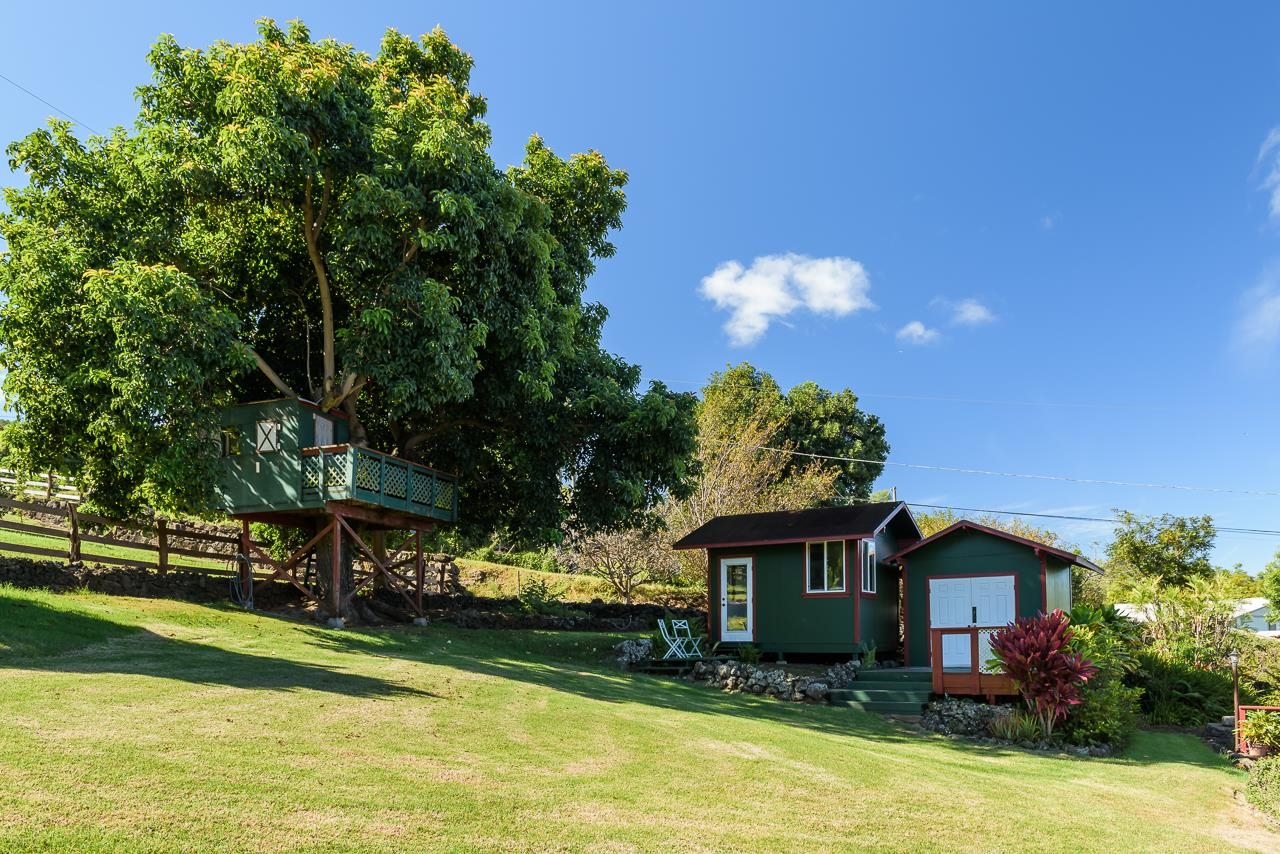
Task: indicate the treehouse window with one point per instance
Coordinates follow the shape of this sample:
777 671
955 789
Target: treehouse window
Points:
268 437
229 440
324 431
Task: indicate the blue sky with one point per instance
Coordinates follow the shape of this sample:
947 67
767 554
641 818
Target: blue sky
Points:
1031 240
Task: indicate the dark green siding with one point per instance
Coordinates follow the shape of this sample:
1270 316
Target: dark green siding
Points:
967 552
253 480
786 620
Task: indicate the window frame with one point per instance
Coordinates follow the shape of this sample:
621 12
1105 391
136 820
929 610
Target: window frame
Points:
266 430
826 589
868 561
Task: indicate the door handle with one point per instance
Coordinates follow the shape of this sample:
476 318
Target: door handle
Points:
975 615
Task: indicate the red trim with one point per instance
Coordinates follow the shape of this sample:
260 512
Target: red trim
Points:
804 579
752 605
928 615
965 524
826 539
710 561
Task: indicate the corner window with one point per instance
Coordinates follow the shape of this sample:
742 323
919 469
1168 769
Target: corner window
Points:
268 437
324 431
229 441
868 566
826 567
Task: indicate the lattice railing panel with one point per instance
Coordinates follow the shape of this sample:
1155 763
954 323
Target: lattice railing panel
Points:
395 480
368 470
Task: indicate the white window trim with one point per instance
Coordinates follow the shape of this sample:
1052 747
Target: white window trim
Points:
844 567
868 555
267 436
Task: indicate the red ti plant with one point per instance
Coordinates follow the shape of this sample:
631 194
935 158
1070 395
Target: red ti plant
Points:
1034 653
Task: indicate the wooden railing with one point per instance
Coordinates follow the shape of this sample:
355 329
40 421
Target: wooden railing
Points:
157 545
976 676
50 487
344 473
1241 713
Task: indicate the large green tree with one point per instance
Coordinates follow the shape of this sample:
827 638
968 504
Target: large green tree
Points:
1164 551
298 217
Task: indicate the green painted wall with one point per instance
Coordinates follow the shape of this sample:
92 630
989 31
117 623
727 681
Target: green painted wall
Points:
251 480
786 620
1058 586
879 620
966 552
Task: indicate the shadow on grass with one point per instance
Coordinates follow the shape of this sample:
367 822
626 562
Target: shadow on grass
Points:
38 635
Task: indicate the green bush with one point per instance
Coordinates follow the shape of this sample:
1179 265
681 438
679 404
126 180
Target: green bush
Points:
1180 694
748 653
536 596
1263 789
1107 714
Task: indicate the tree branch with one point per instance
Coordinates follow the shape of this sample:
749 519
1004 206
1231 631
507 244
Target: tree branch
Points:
270 374
311 230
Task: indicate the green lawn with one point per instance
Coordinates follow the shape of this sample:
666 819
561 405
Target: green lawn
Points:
150 725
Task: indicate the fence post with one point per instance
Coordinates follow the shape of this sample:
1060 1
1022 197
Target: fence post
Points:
162 538
73 534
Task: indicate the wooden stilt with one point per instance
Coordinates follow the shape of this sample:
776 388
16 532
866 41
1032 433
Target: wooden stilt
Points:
420 567
335 585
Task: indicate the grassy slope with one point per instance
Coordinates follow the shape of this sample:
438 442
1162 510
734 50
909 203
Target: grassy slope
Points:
188 728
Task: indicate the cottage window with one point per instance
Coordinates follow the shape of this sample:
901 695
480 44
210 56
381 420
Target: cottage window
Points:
229 440
268 437
868 566
826 567
324 431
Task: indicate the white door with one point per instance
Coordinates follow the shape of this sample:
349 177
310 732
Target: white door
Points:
956 603
737 605
951 607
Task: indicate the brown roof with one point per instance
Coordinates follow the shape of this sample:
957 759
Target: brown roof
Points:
965 524
795 526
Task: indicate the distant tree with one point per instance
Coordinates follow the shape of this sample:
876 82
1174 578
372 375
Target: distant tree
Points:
625 559
295 217
734 475
1170 551
809 419
1269 584
1235 583
931 522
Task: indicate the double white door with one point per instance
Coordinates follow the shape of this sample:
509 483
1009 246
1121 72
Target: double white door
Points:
956 603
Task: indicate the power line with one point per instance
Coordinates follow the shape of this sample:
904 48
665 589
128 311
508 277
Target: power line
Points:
1024 476
1221 530
53 107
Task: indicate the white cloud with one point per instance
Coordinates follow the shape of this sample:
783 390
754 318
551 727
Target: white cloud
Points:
1257 329
1271 149
1048 221
966 312
917 333
776 285
970 312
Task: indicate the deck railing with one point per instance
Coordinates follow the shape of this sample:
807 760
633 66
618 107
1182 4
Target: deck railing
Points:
345 473
961 661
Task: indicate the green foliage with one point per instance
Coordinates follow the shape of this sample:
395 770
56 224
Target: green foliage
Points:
336 220
1108 708
1269 584
1261 729
1107 713
1019 727
748 653
537 596
1168 550
281 542
540 560
1178 693
1263 788
869 654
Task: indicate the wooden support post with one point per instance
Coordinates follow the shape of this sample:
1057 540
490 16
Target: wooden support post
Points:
335 580
420 568
162 543
73 535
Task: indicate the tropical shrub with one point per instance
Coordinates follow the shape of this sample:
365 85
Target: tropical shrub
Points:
748 653
1035 653
1263 789
536 596
1019 727
1108 709
1262 729
1178 693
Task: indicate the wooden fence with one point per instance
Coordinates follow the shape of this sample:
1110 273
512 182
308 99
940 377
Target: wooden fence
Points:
50 487
160 545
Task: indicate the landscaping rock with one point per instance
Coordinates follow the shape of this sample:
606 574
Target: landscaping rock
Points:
633 651
842 675
952 716
735 676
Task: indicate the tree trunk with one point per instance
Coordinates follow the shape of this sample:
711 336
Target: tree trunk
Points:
324 570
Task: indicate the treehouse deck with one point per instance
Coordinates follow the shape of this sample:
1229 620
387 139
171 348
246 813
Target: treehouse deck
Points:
284 461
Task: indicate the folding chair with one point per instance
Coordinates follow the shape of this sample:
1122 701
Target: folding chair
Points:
675 643
692 646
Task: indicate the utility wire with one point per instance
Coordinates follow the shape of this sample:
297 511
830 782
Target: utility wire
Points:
1054 477
1221 530
53 107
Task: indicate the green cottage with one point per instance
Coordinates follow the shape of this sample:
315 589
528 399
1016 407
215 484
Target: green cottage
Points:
806 582
967 581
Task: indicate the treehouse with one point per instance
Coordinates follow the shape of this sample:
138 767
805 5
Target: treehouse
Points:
288 463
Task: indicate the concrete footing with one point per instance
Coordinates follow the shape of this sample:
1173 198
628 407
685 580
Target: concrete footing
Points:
420 621
336 623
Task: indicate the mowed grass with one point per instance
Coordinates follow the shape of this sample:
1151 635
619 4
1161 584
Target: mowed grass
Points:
152 725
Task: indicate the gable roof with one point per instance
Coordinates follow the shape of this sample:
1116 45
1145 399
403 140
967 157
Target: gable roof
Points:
966 525
797 526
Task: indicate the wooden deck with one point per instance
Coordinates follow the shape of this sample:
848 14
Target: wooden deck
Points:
974 677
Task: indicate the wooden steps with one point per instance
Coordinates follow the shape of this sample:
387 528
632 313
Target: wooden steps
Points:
892 690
